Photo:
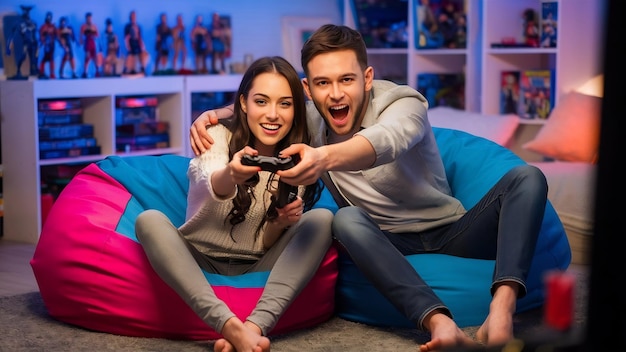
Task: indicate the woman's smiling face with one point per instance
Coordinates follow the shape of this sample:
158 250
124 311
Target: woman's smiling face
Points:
269 110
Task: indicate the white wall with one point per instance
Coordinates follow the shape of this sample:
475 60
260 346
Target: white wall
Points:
256 25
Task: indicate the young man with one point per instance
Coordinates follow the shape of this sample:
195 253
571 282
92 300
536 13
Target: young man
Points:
376 146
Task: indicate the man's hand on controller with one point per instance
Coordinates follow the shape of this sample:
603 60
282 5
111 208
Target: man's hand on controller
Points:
310 167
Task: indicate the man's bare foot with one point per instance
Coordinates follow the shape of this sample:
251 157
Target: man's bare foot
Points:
444 334
497 329
241 337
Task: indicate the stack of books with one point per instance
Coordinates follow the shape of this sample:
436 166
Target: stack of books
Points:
137 125
62 133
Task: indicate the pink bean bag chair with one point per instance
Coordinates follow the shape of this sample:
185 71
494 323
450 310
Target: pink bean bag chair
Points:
93 273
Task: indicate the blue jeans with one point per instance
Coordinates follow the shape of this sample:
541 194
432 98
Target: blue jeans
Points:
503 226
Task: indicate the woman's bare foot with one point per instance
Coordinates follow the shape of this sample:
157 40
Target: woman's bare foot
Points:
241 337
444 333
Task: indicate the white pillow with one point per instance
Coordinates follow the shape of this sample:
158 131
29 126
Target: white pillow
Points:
497 128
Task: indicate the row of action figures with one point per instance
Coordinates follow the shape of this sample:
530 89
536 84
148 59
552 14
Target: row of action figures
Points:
212 42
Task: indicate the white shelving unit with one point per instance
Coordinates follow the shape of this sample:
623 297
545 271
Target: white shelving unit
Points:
413 61
20 134
576 58
443 60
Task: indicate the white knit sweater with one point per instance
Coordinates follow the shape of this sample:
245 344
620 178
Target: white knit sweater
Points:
207 226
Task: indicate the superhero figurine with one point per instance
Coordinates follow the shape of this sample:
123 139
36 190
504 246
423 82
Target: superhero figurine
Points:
163 44
66 37
111 49
23 40
135 48
47 38
88 38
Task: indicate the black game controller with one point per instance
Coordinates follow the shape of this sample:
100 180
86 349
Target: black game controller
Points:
286 192
268 163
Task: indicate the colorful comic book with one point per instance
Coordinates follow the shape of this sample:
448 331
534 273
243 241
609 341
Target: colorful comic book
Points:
536 94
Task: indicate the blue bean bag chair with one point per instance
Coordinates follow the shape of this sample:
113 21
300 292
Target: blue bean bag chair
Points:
473 165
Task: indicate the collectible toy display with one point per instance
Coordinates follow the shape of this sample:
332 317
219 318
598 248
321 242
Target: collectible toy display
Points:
100 53
23 40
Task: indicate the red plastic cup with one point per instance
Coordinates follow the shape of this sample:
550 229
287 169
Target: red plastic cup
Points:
559 304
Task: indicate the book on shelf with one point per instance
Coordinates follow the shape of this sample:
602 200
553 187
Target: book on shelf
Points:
141 128
139 109
536 98
549 23
440 24
53 132
509 92
60 117
442 89
69 153
58 104
67 143
142 142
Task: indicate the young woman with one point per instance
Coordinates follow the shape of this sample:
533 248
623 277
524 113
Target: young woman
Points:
233 225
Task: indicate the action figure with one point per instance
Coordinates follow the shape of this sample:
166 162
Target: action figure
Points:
135 47
23 39
88 38
531 28
163 42
112 49
66 37
47 38
180 47
220 41
201 44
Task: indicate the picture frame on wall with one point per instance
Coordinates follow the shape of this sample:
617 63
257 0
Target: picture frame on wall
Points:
295 31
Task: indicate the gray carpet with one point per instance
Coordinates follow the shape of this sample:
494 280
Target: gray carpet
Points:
26 326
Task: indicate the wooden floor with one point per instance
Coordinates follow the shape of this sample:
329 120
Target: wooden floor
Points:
16 275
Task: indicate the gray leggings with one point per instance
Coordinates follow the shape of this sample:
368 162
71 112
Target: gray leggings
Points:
292 261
